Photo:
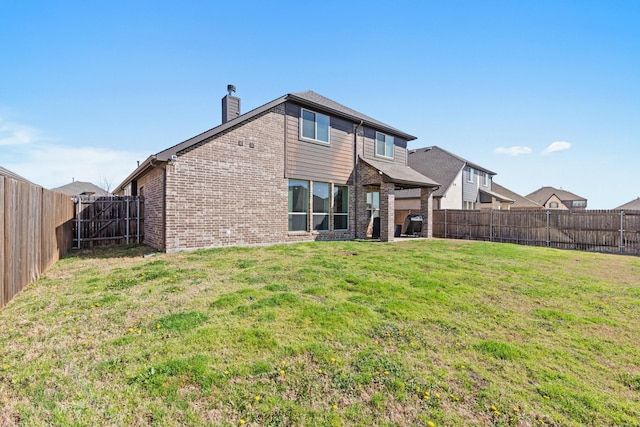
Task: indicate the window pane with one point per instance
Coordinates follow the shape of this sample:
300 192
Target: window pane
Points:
322 127
298 196
340 199
380 144
297 222
389 146
308 124
320 222
320 197
340 222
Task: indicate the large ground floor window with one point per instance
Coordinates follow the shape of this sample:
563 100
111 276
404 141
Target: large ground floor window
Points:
298 205
340 207
329 206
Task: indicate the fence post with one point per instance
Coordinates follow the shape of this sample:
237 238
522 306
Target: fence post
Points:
445 223
78 222
621 231
548 228
138 220
127 222
491 226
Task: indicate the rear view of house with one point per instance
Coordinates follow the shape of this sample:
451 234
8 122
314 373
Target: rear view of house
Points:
301 167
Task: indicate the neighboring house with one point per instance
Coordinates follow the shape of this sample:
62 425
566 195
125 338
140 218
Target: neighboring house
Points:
84 190
633 205
553 198
463 185
301 167
519 202
8 173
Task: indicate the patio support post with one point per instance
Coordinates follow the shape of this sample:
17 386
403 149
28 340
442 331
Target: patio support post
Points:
426 210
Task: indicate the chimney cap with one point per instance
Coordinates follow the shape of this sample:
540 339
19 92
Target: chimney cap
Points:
231 89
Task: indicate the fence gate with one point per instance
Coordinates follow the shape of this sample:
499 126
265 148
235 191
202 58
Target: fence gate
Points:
108 220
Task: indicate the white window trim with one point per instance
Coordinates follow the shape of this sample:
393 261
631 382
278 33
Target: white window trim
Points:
306 138
375 145
485 179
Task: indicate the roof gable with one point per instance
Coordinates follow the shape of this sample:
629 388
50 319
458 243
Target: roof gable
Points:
632 205
543 194
441 165
518 200
306 98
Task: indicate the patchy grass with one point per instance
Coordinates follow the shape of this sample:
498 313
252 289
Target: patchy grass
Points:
344 333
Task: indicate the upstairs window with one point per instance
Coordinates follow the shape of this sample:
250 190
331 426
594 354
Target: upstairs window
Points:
314 126
384 145
471 177
553 205
579 203
485 179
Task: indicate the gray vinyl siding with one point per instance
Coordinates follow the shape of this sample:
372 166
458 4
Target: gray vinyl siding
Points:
306 160
469 189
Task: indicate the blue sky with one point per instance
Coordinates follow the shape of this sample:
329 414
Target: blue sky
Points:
541 92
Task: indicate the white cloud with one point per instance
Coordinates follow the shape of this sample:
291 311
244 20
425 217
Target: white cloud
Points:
51 165
16 134
513 151
557 146
44 162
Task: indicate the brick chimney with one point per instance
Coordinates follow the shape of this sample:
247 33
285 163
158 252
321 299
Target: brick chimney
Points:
230 105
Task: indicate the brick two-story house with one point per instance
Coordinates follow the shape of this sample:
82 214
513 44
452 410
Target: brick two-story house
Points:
301 167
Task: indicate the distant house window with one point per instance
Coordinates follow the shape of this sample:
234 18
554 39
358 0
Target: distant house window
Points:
315 126
485 179
321 204
471 175
553 205
298 205
384 145
340 207
579 203
469 206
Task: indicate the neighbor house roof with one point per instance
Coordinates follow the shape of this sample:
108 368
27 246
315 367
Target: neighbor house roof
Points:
8 173
632 205
497 196
307 98
79 188
518 200
441 165
544 193
400 174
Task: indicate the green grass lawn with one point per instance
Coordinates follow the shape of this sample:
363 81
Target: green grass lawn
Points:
422 332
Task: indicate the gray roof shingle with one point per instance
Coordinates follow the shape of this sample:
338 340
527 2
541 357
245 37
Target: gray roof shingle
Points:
78 188
518 200
440 165
632 205
543 194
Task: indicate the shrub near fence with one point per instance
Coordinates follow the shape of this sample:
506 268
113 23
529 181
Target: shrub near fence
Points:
35 231
589 230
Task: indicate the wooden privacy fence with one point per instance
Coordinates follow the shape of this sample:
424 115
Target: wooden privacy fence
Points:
590 230
108 220
35 231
